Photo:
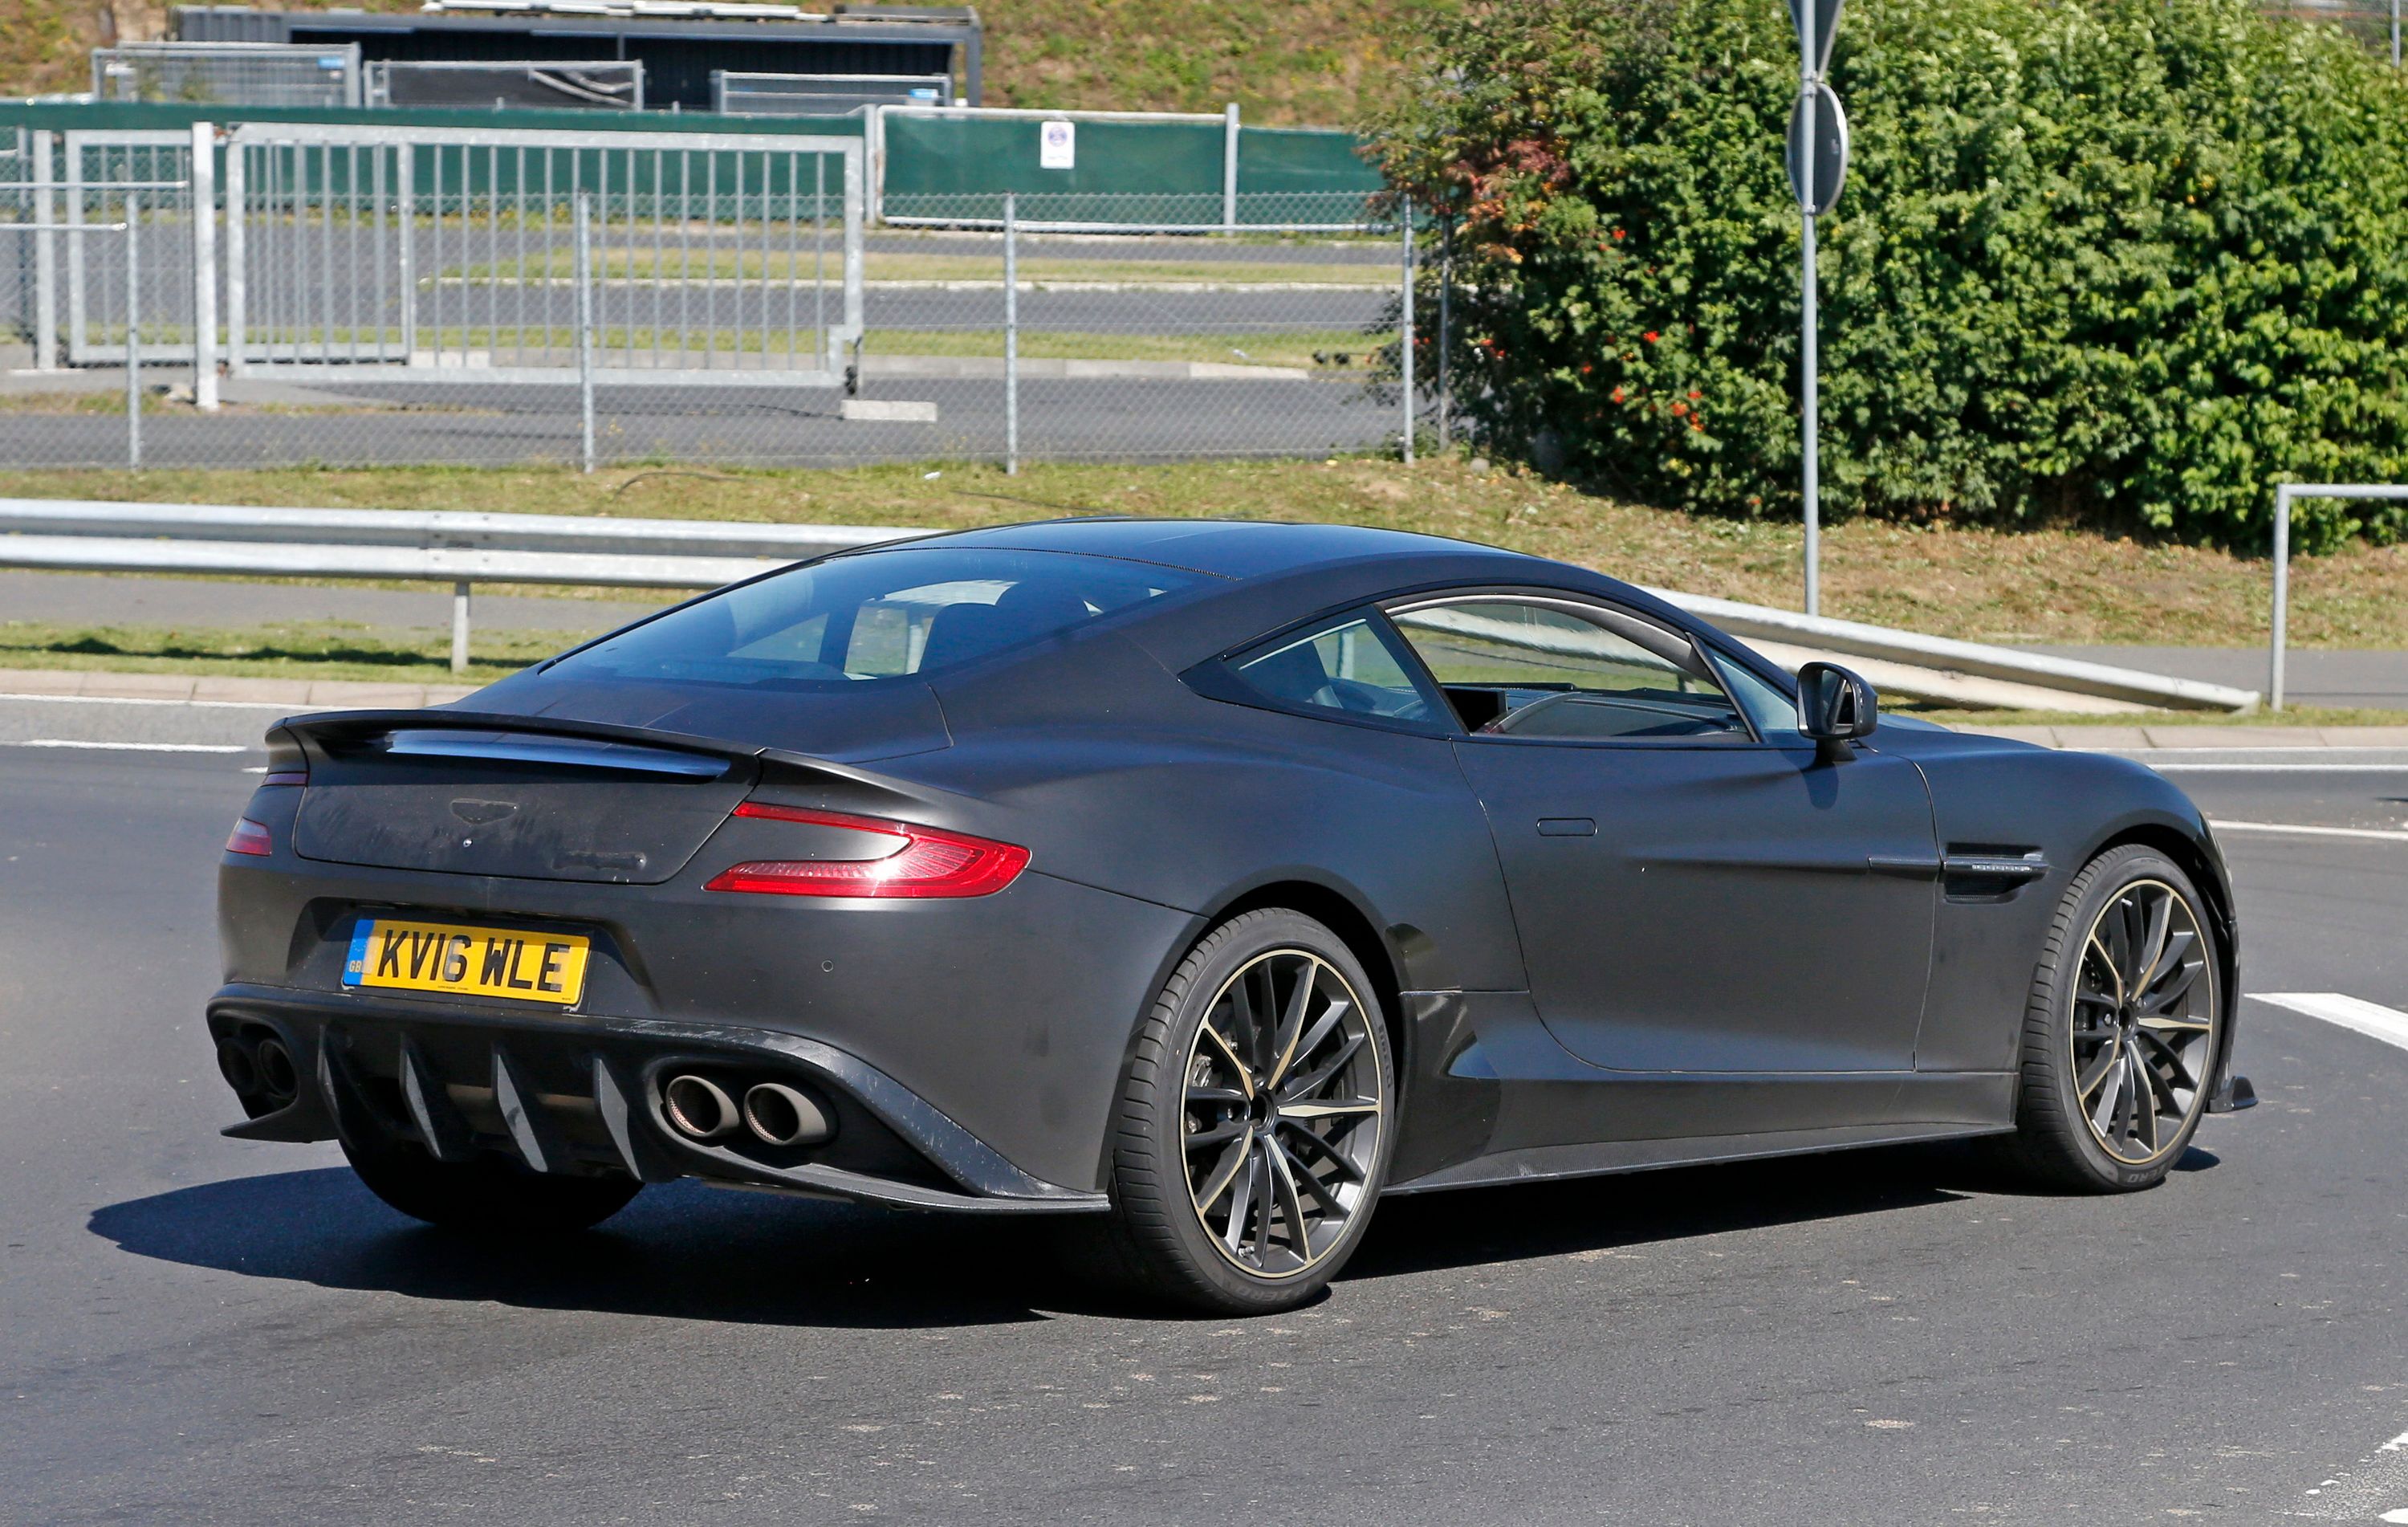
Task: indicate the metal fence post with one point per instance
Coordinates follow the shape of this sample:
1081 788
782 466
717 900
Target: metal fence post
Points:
459 627
1010 337
1445 280
238 259
2282 595
46 255
1229 170
204 267
132 332
585 323
1405 333
405 176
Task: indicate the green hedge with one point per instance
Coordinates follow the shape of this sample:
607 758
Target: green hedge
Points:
2122 261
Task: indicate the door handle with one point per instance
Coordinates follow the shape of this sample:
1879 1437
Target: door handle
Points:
1567 827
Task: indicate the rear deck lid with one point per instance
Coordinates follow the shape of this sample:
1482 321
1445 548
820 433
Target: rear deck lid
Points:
516 797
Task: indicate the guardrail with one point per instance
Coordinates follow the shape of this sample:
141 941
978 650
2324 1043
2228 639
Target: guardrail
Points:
465 549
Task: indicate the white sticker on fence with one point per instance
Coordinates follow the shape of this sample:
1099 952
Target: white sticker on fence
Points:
1058 145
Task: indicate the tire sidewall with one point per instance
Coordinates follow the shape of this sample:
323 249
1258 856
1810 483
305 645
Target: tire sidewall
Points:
1187 1000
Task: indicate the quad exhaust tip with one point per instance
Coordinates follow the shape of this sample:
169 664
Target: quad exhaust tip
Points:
277 1077
779 1114
698 1108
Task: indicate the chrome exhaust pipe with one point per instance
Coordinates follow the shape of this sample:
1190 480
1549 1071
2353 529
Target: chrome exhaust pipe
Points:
278 1078
779 1114
698 1108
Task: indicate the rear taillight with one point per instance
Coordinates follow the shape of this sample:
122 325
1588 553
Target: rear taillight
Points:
923 861
284 771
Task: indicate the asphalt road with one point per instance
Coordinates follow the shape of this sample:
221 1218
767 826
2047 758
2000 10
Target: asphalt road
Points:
194 1330
1113 419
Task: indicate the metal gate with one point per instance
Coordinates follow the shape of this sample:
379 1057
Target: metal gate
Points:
96 174
450 254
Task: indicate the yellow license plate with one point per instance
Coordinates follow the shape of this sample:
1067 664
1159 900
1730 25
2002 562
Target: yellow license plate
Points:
467 961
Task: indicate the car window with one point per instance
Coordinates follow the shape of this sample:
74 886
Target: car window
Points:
1346 667
874 615
1775 714
1538 668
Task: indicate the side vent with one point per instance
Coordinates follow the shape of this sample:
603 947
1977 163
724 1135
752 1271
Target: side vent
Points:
1989 871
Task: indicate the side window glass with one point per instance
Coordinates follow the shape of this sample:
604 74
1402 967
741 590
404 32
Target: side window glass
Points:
1536 668
1344 668
1774 714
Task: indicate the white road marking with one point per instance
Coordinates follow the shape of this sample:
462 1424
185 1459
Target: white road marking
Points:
127 699
2372 1020
2302 829
132 747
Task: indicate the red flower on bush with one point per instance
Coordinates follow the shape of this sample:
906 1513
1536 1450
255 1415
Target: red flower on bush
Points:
1649 337
1617 395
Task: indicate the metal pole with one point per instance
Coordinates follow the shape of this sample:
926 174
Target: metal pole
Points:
2282 594
2395 34
1405 334
46 257
1445 280
133 333
204 267
1814 486
1229 167
585 325
459 627
238 257
1011 336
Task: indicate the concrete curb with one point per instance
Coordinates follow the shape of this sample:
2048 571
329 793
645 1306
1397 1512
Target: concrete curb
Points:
179 689
2200 739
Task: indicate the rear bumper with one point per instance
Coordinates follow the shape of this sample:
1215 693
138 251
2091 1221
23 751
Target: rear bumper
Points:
583 1094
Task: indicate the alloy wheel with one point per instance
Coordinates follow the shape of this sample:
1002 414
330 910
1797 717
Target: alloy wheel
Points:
2144 1017
1285 1105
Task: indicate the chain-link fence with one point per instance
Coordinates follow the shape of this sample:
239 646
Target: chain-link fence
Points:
1063 336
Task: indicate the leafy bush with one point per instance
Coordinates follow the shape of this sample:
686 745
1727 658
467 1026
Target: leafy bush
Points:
2127 260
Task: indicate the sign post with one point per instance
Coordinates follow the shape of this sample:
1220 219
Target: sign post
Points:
1817 154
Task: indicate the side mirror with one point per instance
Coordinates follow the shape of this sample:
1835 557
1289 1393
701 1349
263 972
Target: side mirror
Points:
1835 707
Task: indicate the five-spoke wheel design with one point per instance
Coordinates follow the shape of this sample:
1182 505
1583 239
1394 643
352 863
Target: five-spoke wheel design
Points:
2144 1021
1283 1109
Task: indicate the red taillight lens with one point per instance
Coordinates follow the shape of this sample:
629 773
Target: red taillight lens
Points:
249 837
925 862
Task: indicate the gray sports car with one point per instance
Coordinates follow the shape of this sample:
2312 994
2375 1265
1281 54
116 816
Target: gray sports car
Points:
1216 878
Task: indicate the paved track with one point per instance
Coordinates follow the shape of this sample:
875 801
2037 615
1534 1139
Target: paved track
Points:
193 1330
1120 419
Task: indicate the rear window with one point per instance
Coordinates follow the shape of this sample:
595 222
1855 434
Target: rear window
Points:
874 615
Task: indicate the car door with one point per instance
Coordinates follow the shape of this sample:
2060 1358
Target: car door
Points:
1695 890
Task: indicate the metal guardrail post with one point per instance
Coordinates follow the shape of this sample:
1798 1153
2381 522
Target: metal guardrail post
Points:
46 254
132 332
460 627
1405 333
204 267
1011 336
584 335
405 174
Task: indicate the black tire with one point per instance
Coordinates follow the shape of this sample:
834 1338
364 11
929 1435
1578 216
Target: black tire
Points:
487 1195
1159 1229
2082 1021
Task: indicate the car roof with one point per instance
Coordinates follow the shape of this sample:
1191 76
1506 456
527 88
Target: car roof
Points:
1236 549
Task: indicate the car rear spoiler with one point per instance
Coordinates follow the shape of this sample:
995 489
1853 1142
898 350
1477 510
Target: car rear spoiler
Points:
647 750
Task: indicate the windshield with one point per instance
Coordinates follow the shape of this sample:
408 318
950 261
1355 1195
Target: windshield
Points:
874 615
